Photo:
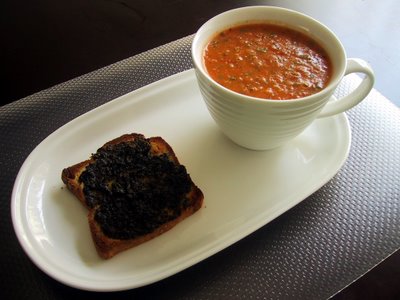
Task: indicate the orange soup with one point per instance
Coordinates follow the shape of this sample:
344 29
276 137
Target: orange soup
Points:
267 61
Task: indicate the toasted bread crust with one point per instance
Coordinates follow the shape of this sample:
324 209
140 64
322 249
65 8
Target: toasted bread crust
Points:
108 247
70 176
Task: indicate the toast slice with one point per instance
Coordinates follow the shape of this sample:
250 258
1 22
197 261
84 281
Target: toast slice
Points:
135 189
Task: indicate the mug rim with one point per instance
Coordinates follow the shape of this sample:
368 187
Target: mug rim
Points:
338 74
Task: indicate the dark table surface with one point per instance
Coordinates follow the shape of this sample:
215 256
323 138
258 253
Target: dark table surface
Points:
48 42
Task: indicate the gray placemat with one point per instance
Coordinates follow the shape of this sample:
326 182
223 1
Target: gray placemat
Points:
310 252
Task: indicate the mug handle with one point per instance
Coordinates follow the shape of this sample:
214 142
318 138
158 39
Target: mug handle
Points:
354 65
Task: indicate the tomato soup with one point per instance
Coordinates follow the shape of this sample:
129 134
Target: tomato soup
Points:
267 61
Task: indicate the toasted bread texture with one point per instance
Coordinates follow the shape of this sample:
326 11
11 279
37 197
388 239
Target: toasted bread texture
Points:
135 189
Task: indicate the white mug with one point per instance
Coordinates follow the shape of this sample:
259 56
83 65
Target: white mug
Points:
262 124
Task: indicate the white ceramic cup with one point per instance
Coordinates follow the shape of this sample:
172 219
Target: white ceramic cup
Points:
261 124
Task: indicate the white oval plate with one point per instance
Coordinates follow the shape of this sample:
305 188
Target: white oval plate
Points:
243 189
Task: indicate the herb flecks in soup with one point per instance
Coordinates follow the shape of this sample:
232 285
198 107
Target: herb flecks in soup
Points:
267 61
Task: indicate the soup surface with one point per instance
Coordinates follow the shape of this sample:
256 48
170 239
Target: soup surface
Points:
267 61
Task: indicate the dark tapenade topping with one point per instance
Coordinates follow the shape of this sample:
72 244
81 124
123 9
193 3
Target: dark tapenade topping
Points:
136 191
